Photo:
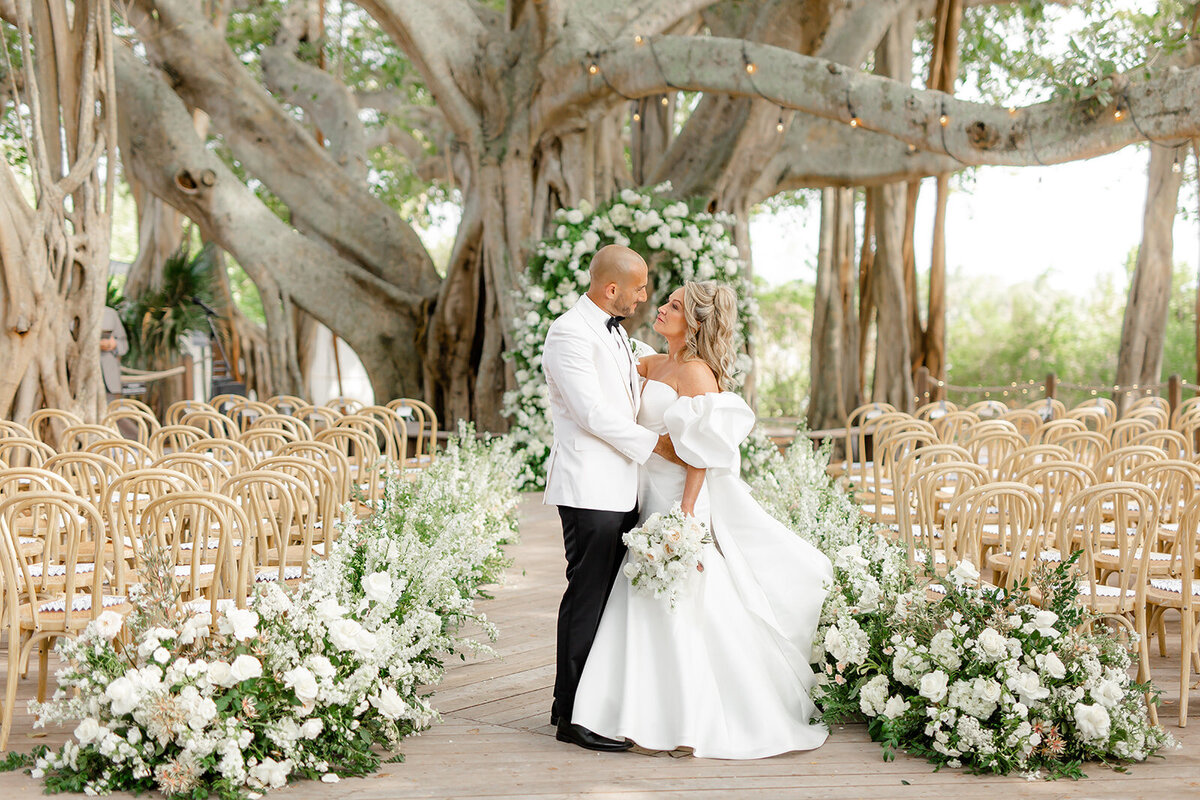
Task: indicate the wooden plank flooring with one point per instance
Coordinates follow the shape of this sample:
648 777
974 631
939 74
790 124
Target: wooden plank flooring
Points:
495 740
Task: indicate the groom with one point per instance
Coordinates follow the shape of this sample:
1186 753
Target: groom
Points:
592 473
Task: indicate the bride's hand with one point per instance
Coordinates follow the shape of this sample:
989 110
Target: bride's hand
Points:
688 509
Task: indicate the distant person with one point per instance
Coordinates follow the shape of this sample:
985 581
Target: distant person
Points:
114 344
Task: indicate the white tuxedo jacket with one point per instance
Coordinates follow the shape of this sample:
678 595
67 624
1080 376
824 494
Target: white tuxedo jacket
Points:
598 444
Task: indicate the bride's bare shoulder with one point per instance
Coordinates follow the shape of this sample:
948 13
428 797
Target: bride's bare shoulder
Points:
696 378
647 364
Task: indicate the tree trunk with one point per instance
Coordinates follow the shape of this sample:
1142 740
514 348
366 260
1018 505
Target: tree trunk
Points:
54 255
893 381
1143 332
834 343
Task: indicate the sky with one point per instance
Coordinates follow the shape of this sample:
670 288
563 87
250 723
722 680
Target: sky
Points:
1072 221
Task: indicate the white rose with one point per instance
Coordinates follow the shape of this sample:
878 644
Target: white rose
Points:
162 655
992 644
933 686
241 623
1028 687
89 730
344 633
1093 722
244 668
964 573
220 674
1054 667
896 705
1107 693
108 624
1043 622
987 690
389 703
328 610
302 682
312 728
321 666
377 586
123 695
272 773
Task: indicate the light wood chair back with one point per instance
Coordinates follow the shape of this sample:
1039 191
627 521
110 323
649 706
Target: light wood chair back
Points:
990 446
21 452
297 430
206 470
1027 421
331 459
1174 481
126 499
14 480
1116 464
127 453
1048 408
48 424
1123 431
1055 482
14 429
287 404
282 512
373 427
88 473
214 425
426 431
1179 590
145 424
858 430
1173 443
265 442
920 503
181 408
955 427
79 437
175 439
326 489
1087 447
1095 418
989 409
345 405
1004 513
232 454
224 403
1031 455
397 429
317 418
246 414
933 411
128 403
1055 429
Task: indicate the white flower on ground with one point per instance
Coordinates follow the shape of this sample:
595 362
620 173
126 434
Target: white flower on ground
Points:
241 623
1093 722
245 667
873 696
271 773
330 777
123 695
377 586
1107 693
933 686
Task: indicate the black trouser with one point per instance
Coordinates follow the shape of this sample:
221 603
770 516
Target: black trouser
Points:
594 551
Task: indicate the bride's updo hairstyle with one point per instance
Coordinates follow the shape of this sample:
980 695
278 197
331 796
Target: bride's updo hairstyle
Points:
710 309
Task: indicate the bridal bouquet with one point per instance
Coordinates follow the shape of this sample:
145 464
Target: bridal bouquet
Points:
664 554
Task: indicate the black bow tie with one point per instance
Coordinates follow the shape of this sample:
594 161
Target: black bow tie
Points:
613 322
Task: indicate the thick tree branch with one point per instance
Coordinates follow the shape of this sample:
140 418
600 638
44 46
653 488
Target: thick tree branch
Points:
278 150
973 133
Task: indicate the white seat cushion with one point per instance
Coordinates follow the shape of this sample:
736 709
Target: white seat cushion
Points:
1174 585
79 602
1116 553
1101 590
186 569
272 574
921 555
59 570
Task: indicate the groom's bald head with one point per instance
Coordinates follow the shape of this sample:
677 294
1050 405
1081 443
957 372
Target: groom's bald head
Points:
618 279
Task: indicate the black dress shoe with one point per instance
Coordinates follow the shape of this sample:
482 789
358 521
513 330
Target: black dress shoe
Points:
577 734
554 713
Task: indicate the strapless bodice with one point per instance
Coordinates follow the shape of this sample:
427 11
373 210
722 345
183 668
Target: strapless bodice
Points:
657 397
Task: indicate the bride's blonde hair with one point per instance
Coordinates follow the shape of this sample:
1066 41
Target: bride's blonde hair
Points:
710 310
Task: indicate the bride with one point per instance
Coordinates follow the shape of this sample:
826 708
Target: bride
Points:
727 673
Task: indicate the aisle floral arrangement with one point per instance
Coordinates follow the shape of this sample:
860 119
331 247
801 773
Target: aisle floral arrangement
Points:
680 244
977 678
319 682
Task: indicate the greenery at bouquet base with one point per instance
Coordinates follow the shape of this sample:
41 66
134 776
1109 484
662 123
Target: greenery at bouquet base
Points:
320 681
679 243
979 678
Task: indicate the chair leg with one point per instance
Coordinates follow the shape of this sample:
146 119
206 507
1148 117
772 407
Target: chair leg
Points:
43 668
1162 633
1186 624
10 688
1144 659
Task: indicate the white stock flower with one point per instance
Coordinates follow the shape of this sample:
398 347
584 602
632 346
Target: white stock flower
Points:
377 586
873 696
574 216
933 686
241 623
329 610
1093 722
245 667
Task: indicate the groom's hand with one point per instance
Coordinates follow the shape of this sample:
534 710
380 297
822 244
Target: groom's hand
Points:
666 450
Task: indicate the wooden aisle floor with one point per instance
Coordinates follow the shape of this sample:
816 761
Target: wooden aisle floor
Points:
495 740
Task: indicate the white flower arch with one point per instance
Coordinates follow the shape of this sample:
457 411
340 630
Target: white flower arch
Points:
681 245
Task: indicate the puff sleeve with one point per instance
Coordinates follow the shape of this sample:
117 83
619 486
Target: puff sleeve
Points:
707 430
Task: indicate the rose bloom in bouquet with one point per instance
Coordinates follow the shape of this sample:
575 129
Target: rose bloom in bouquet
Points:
665 555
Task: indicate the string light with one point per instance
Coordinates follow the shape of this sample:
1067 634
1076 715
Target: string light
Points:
944 120
1012 109
779 124
638 40
854 122
664 100
750 68
637 117
593 69
1176 167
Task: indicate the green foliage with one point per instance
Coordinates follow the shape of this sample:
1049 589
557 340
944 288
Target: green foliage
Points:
245 293
159 320
782 355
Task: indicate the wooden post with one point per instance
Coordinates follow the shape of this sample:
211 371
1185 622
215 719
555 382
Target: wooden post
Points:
1174 392
188 379
1051 385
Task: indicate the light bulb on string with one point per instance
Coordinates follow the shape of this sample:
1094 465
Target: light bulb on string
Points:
944 120
637 117
751 68
1176 167
638 40
779 125
593 69
664 100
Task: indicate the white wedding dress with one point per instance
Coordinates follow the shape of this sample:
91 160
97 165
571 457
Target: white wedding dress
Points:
727 673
